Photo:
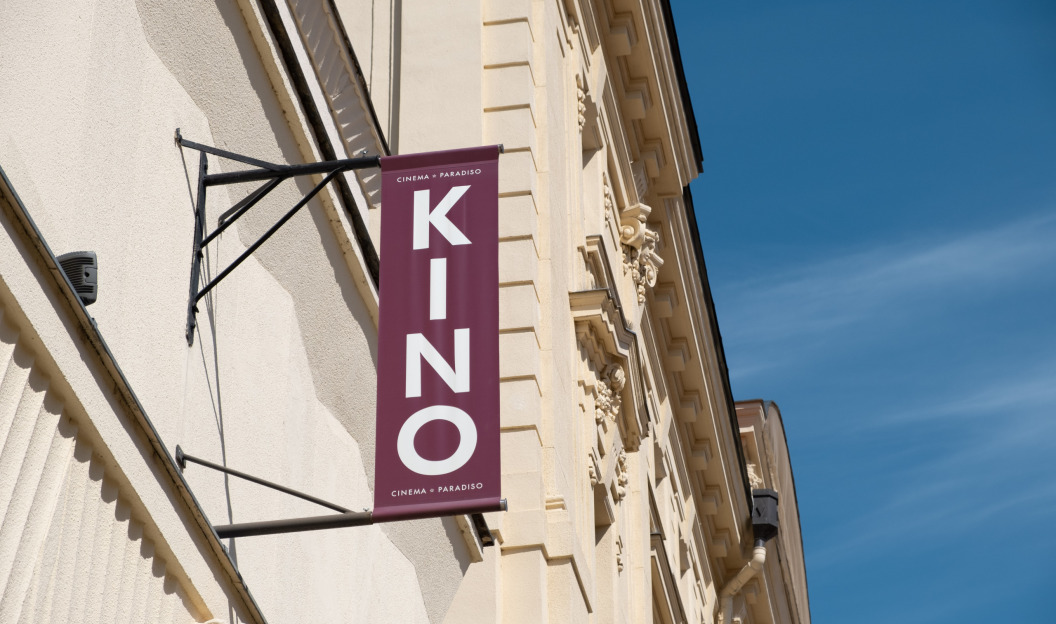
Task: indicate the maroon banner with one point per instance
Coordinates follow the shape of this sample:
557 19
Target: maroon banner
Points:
437 447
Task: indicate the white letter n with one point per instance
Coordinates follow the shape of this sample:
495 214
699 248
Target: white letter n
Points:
423 217
418 348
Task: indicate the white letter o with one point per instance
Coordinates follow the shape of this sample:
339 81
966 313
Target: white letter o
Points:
467 432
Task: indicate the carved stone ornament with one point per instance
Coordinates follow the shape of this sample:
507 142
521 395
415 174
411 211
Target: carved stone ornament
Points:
609 400
639 252
607 348
607 197
754 479
581 101
621 476
592 473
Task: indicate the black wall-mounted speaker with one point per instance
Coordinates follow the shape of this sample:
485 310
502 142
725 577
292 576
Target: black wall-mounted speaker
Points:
82 269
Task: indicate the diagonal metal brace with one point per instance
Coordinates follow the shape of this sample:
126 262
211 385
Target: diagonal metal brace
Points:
344 517
260 170
182 459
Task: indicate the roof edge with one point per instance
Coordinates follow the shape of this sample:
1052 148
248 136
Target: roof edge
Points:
713 320
683 86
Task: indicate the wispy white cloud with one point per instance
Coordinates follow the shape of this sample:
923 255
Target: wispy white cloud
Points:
931 507
1026 391
817 306
848 288
961 449
979 461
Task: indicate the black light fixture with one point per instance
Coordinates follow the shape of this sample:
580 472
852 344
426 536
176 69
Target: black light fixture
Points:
82 269
765 521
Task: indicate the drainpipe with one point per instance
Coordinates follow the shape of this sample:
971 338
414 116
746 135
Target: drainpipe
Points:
764 528
736 583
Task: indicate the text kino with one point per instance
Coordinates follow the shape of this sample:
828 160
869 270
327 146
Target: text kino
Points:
419 348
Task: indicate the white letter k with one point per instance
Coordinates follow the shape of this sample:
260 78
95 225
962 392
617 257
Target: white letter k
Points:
437 217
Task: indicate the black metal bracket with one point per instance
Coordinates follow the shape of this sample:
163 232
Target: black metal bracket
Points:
345 517
182 459
273 175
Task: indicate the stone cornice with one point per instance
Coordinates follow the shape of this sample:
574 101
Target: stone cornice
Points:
679 320
640 70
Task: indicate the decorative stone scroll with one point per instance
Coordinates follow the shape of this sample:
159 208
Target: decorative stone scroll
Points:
640 255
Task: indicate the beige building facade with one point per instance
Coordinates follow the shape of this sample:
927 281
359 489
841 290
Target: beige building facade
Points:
628 469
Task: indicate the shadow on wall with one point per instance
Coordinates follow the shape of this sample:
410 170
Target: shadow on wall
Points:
219 66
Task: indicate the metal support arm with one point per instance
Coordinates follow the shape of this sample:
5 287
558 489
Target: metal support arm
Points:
295 525
346 517
274 175
182 459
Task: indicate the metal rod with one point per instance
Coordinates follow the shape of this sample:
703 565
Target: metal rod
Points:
287 171
240 209
346 519
286 217
182 142
294 525
338 521
234 211
182 458
196 254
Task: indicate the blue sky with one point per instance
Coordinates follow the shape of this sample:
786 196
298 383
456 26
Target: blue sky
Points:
878 214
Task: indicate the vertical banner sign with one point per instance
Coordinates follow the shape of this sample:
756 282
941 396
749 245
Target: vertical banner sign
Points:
437 448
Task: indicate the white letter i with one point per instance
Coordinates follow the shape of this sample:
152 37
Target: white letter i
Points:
437 289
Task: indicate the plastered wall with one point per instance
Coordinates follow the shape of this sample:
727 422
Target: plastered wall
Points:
280 379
